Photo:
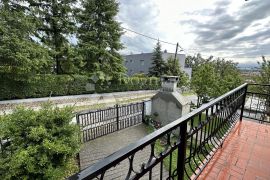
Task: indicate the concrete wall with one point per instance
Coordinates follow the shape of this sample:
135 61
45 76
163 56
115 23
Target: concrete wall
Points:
138 63
106 99
169 106
167 111
141 63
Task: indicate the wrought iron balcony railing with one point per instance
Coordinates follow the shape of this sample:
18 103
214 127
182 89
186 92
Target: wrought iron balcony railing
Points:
257 104
181 149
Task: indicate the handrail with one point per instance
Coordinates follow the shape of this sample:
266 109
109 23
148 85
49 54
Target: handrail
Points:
258 104
127 151
256 84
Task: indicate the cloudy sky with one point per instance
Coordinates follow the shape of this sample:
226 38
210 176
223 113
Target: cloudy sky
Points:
232 29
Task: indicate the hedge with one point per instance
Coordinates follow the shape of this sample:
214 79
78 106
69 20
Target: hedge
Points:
131 84
44 86
38 144
61 85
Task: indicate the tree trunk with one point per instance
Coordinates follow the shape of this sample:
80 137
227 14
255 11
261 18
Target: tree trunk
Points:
198 101
268 107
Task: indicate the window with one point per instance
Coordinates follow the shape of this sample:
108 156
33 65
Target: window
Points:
131 61
142 62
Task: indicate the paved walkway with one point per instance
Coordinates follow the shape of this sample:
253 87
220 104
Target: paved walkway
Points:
99 148
245 154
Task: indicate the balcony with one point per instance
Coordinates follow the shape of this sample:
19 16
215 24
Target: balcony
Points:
228 138
245 154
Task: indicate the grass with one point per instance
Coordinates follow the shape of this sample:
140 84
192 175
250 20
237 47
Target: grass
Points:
189 93
159 147
104 105
90 107
206 127
196 122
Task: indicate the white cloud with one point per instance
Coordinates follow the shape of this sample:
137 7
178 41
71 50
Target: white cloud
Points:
208 26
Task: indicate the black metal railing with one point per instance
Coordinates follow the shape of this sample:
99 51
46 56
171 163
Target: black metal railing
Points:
97 123
257 104
179 150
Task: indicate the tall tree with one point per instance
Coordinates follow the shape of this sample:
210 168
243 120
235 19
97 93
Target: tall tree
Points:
99 39
229 74
173 69
20 56
56 23
204 82
196 60
158 65
264 78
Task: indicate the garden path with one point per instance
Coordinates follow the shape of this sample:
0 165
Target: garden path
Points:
97 149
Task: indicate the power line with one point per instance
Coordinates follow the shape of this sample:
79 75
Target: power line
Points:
176 44
156 39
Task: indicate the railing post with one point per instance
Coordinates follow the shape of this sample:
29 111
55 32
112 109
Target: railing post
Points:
267 108
78 161
80 139
182 151
243 103
117 117
143 111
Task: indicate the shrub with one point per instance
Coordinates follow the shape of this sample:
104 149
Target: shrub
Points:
41 144
44 86
57 85
130 84
61 85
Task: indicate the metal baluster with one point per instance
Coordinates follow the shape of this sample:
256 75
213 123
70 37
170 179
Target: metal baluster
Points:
182 151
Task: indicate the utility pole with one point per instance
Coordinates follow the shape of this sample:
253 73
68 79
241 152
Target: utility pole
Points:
176 53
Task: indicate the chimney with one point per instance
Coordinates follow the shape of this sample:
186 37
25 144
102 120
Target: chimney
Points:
168 104
169 83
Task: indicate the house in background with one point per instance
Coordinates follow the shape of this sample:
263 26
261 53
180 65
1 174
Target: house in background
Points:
141 63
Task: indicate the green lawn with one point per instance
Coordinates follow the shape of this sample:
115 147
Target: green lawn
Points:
160 148
104 105
190 93
206 127
196 122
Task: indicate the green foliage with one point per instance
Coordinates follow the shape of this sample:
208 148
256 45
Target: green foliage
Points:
158 69
35 39
204 80
130 84
60 85
264 77
213 77
46 85
20 56
56 23
139 75
229 76
195 61
173 69
99 39
43 144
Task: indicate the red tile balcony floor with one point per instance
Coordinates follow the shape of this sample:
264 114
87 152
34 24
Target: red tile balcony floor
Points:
245 154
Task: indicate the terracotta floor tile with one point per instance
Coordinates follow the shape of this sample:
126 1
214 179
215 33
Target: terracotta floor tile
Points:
249 176
234 178
245 154
238 170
